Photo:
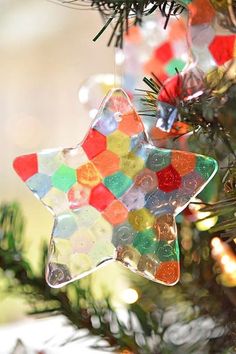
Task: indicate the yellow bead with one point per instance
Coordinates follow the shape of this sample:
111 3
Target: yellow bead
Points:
119 143
141 219
79 263
131 164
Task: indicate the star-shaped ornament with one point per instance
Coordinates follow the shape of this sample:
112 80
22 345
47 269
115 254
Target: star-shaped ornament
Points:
114 197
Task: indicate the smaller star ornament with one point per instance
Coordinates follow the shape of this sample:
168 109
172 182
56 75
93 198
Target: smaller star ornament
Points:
114 197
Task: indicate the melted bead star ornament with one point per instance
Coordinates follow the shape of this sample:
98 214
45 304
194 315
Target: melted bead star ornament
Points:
114 197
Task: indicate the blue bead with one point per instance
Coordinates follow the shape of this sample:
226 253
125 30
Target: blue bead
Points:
40 184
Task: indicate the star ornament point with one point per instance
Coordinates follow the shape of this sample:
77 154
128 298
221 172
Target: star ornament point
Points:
114 197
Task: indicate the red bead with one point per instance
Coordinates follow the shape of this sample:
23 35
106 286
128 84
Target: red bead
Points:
168 272
168 179
94 143
222 48
164 53
26 166
101 197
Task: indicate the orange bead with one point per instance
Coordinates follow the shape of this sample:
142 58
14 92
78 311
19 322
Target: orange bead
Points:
168 272
107 163
182 162
115 213
88 175
131 124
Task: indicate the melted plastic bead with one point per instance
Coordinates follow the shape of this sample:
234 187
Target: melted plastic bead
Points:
64 178
119 143
168 272
118 183
146 180
82 240
100 197
145 242
141 219
26 166
158 159
131 124
123 235
94 143
166 251
134 199
65 225
78 196
168 179
204 166
49 161
183 163
40 184
115 213
88 175
165 228
131 164
107 163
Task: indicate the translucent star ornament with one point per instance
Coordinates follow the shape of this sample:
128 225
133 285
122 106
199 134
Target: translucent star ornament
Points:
114 197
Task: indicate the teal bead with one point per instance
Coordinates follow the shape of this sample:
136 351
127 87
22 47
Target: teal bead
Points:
145 242
167 251
206 166
118 183
158 159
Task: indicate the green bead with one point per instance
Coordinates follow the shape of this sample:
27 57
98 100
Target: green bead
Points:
167 251
145 242
206 166
64 178
118 183
158 159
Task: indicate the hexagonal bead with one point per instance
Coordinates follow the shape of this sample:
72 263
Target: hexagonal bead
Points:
145 242
128 255
141 219
78 196
106 124
107 163
205 166
158 159
79 263
146 180
131 124
183 162
64 178
131 164
115 213
65 225
101 197
82 241
56 200
168 272
49 161
167 251
86 216
168 179
134 199
26 166
119 143
94 143
88 175
118 183
102 230
74 157
39 184
165 228
123 235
